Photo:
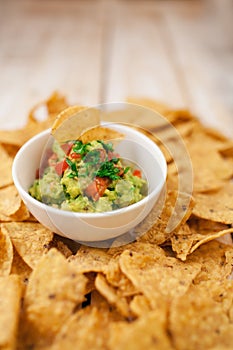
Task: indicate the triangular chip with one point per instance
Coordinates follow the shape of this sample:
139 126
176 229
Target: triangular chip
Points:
73 121
100 133
6 254
10 297
54 290
30 240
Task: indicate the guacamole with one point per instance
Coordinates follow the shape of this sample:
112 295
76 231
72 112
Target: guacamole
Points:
87 177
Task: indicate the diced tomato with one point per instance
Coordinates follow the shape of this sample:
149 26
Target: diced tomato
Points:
37 173
75 156
92 192
96 188
137 173
61 167
101 184
66 147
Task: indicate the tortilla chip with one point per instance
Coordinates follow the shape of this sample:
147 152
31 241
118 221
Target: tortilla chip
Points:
87 329
90 259
20 268
116 278
182 242
52 106
113 272
158 277
73 121
11 150
12 207
196 233
214 263
112 295
140 305
6 255
53 291
199 321
210 168
175 213
31 240
10 301
21 214
5 168
10 201
101 133
148 332
216 206
226 150
60 244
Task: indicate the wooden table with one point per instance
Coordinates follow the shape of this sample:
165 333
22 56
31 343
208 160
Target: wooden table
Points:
179 52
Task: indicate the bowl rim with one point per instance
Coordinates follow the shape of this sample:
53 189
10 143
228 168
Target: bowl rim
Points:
68 213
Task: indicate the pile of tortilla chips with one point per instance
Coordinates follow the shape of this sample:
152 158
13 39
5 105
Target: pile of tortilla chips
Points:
164 291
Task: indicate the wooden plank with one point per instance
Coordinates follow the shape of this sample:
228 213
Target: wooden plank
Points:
201 36
179 52
139 62
47 46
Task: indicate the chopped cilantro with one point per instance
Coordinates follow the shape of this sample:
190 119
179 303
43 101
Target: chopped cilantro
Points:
73 167
108 169
126 169
80 148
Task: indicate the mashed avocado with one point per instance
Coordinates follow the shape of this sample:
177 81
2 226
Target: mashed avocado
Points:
87 177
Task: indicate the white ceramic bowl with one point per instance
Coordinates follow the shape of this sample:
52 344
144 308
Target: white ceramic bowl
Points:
93 227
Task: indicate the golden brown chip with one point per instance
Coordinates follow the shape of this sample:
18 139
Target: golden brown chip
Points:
140 305
215 263
226 149
116 278
148 332
6 254
182 242
216 206
5 168
98 301
112 295
195 233
31 240
144 248
175 210
101 133
72 122
21 214
158 276
51 107
54 105
199 321
10 201
10 300
12 207
90 259
53 291
60 244
210 168
20 268
87 329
